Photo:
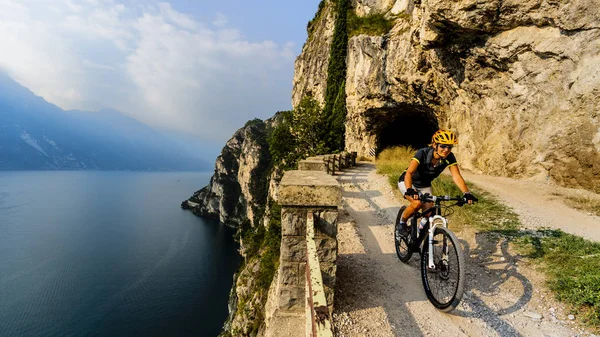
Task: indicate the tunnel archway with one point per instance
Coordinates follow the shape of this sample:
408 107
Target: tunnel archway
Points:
403 125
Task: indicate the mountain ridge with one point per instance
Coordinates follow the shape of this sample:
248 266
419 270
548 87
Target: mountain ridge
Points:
38 135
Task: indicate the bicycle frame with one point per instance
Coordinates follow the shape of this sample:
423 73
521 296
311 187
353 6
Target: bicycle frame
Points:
442 270
434 221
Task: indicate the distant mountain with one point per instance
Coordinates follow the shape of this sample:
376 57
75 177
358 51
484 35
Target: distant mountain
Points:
37 135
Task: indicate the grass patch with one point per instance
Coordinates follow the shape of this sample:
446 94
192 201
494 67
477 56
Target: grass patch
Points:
571 263
393 161
486 215
589 205
372 24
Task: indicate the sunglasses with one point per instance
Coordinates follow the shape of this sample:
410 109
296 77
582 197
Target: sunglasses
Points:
446 147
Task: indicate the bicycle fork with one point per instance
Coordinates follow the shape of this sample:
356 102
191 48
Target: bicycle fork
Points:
435 221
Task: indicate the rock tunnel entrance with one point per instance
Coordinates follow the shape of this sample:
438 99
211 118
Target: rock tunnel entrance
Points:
402 125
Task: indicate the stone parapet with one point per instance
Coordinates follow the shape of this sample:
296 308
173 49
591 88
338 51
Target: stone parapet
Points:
309 188
312 165
302 194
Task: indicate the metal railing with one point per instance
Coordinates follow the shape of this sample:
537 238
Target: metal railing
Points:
318 318
330 163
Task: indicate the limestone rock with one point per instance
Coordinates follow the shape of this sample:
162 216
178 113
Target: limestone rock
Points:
238 189
310 68
517 80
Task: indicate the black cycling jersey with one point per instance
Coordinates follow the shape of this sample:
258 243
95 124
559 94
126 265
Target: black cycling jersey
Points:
426 172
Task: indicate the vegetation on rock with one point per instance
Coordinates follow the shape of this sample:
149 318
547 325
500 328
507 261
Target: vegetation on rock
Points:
373 24
259 177
310 26
298 135
334 131
261 250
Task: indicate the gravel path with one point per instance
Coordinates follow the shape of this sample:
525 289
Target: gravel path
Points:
377 295
538 206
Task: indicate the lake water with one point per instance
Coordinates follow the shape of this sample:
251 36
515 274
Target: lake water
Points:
110 254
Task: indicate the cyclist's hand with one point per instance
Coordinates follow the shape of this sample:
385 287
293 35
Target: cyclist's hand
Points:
470 198
411 192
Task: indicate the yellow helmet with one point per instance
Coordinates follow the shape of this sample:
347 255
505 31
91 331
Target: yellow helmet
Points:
444 137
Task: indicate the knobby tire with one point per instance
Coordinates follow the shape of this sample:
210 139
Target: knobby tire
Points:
403 249
446 276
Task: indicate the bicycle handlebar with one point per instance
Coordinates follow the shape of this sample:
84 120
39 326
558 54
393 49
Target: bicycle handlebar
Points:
439 198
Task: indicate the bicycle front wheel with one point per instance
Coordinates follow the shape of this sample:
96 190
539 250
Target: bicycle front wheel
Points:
444 283
402 244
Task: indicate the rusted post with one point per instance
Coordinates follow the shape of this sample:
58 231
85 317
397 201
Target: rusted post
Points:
326 160
354 158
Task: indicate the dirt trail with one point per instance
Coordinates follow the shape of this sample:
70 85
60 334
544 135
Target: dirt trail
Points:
538 205
377 295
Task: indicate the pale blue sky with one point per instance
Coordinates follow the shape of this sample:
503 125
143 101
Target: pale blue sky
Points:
194 68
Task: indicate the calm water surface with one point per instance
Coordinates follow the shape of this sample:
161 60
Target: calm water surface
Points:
110 254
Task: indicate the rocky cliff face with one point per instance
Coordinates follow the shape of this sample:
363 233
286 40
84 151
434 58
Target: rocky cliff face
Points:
237 196
518 81
237 191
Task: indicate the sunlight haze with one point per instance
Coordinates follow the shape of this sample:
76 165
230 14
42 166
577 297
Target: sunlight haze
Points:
198 69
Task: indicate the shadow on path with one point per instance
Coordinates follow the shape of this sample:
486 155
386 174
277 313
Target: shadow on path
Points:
489 266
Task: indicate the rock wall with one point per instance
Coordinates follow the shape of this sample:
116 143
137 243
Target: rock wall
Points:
310 68
517 80
237 196
238 189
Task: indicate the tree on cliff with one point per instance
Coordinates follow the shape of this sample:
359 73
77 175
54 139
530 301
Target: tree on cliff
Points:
298 134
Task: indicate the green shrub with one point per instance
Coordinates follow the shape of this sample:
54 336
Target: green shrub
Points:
310 26
255 121
298 135
282 144
307 125
372 24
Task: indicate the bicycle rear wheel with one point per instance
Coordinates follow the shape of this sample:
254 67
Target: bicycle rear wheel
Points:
443 284
402 244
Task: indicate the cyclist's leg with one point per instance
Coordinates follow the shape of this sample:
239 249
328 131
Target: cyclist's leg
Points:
412 207
423 190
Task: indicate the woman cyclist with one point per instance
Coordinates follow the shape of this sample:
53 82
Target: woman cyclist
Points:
427 164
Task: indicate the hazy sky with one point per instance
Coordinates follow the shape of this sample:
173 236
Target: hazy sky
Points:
200 68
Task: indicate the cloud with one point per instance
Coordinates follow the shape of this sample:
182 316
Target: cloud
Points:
220 20
159 65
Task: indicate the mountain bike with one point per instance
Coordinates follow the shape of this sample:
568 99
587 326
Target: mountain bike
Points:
442 260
